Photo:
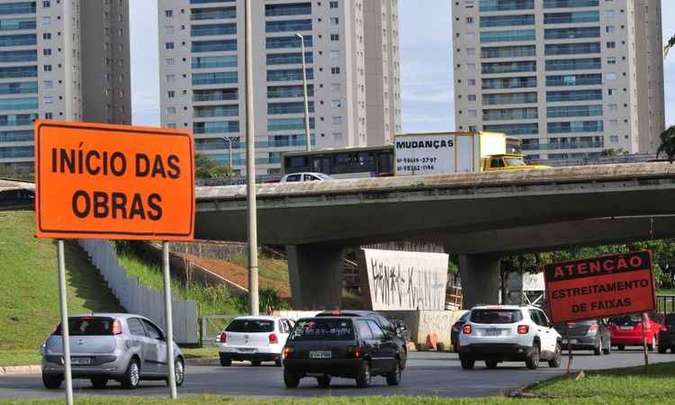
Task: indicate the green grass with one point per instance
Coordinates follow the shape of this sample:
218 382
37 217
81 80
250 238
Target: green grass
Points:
211 300
29 297
200 352
652 384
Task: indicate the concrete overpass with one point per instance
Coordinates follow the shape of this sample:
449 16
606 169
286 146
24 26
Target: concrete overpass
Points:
478 215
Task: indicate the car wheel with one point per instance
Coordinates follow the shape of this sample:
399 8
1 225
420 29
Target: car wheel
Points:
323 381
394 377
467 364
255 363
491 364
597 350
291 379
225 361
555 361
363 378
404 357
179 372
608 349
621 347
51 382
532 361
99 382
277 362
131 377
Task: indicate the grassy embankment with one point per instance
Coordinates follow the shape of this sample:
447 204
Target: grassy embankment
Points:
29 296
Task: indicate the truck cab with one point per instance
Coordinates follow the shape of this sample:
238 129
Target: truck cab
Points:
509 161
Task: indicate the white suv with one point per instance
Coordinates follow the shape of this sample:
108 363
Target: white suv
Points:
496 333
253 338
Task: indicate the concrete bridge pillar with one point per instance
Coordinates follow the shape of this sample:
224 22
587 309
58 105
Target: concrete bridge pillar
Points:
315 275
481 279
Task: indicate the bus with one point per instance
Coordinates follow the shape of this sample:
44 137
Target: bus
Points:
368 161
355 162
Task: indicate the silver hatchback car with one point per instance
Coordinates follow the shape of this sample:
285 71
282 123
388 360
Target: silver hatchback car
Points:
123 347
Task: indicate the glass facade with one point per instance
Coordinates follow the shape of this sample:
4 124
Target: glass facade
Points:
288 26
572 33
504 114
214 46
202 111
572 18
570 3
514 129
506 20
571 49
287 124
574 111
18 56
508 51
214 78
216 127
216 13
508 67
11 104
210 62
510 98
574 80
215 94
15 24
289 58
574 64
506 5
286 42
289 91
509 83
288 75
294 107
507 36
574 126
573 95
213 29
274 10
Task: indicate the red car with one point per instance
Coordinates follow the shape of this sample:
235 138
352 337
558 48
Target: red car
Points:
627 331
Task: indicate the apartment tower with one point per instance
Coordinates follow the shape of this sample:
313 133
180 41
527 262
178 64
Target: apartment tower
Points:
571 78
62 60
352 70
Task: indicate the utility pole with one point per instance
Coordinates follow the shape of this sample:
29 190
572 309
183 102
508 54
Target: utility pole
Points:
229 150
250 167
308 140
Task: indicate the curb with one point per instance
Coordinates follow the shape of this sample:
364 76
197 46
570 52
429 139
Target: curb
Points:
18 370
202 362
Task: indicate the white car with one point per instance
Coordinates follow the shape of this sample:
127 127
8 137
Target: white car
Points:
305 176
497 333
253 338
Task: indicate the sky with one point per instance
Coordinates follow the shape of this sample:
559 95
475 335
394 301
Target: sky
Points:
426 64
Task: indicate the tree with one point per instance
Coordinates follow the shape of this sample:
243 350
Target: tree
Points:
669 46
210 169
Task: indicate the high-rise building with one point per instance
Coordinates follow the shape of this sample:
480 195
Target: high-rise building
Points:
571 78
352 71
63 60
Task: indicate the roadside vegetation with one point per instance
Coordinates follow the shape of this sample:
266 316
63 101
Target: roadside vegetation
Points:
29 296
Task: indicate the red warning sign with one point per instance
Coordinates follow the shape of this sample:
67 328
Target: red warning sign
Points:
600 287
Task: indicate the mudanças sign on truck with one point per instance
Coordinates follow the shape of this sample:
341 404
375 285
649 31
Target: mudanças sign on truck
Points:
454 152
600 287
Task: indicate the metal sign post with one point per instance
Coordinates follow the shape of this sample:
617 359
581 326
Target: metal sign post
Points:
169 320
65 333
569 348
644 340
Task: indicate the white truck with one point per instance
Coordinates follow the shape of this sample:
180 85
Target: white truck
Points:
454 152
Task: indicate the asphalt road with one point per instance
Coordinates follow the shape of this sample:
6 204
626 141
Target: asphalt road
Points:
437 374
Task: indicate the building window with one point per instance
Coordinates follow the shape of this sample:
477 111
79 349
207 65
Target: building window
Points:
336 103
333 4
334 37
47 35
335 70
171 94
168 13
337 120
611 61
469 20
168 45
611 45
49 115
46 4
47 51
46 20
47 68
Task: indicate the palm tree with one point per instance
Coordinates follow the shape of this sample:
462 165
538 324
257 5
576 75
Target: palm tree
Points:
668 136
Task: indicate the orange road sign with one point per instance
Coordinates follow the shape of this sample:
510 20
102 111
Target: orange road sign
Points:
101 181
600 287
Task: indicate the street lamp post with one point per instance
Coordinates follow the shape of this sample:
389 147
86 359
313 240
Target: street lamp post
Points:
229 151
304 82
250 166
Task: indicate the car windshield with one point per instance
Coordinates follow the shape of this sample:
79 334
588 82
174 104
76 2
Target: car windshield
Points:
88 326
627 320
323 329
512 161
250 326
496 315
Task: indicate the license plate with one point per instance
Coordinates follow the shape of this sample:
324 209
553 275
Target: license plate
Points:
246 349
572 341
492 332
80 360
320 354
626 327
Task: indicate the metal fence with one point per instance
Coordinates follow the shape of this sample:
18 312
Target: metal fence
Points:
139 299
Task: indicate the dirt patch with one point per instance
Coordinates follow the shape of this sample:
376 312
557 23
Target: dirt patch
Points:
238 274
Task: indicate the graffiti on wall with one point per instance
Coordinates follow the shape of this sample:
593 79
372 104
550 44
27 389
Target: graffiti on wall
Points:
406 280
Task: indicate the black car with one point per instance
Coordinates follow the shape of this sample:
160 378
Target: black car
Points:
340 346
456 327
398 335
667 334
586 335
